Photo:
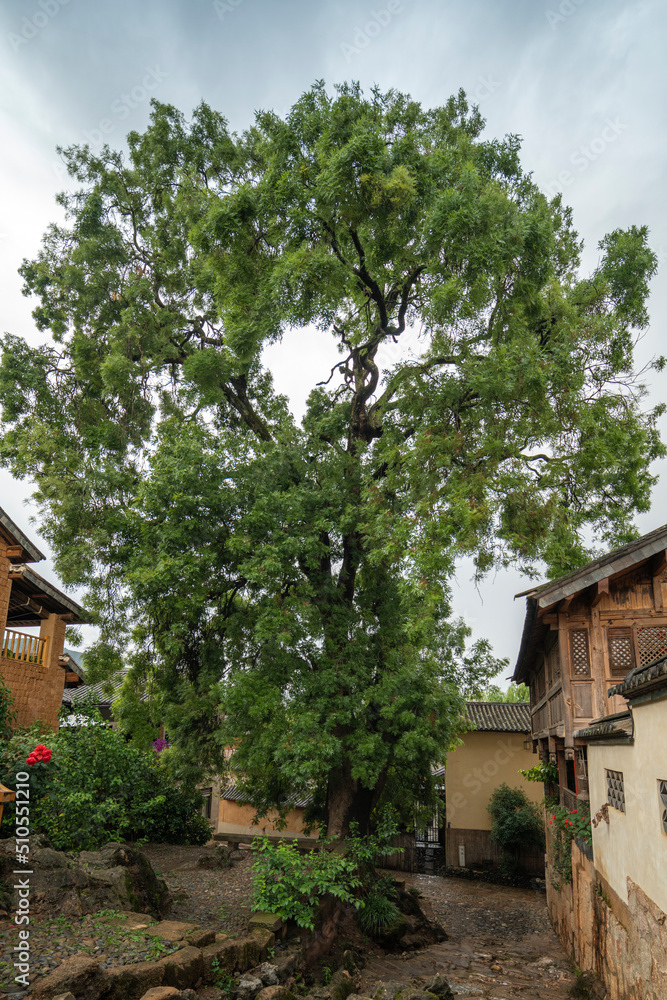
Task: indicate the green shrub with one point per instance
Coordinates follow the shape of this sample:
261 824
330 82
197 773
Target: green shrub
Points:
378 914
98 787
546 772
516 823
290 883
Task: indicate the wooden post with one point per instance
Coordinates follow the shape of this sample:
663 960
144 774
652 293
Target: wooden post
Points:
598 665
564 654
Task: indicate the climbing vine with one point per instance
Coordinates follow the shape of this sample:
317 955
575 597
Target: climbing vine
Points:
567 825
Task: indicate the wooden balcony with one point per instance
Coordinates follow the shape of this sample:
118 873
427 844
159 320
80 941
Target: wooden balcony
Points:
24 647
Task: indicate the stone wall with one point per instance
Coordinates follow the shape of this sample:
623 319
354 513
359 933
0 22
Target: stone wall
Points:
37 688
624 943
37 691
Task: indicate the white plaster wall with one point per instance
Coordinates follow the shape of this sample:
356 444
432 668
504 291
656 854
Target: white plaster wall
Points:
633 844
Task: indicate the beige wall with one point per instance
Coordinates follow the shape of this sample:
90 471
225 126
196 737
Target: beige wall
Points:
475 769
235 818
624 941
633 845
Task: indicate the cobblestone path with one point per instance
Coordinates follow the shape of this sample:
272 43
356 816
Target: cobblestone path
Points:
500 945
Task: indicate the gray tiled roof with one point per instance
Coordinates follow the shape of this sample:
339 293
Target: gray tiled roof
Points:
639 680
499 716
102 693
599 569
295 800
19 538
615 727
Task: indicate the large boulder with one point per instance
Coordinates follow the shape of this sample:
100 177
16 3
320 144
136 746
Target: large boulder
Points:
115 877
80 975
129 982
131 875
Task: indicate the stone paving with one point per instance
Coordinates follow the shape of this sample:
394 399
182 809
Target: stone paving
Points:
500 944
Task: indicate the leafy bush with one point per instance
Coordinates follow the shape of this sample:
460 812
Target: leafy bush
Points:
289 882
516 824
98 787
365 851
378 914
545 772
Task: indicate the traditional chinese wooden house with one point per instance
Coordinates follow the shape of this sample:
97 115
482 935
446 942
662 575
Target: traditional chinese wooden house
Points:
31 662
582 635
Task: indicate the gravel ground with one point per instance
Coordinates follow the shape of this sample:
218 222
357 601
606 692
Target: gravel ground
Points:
481 910
218 898
101 935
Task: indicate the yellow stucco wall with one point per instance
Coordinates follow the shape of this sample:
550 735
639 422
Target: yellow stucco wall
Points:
475 769
235 818
634 844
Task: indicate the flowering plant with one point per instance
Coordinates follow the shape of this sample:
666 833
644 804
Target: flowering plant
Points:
40 754
160 745
568 824
575 822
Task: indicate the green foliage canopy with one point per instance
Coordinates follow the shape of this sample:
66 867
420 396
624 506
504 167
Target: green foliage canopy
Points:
515 693
283 585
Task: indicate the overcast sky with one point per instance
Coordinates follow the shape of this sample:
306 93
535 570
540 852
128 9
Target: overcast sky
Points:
582 81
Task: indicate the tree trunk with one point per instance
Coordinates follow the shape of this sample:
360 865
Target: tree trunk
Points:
349 801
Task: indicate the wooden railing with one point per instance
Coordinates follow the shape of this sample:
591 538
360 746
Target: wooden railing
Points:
21 646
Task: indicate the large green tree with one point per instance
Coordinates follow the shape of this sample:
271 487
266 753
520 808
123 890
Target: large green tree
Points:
282 585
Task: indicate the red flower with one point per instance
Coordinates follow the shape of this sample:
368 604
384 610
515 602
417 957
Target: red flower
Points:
575 811
40 754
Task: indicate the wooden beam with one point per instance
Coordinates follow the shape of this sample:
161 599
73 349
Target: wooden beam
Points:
14 552
29 605
601 588
658 567
659 564
564 605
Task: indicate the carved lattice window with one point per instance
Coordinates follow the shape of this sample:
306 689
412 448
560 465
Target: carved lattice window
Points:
581 666
621 651
662 785
652 643
615 790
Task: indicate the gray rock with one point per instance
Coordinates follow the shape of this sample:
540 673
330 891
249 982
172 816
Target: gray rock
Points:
389 990
247 988
267 972
46 857
440 987
341 985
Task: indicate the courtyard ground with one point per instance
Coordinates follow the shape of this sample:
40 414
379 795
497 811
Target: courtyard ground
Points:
500 945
